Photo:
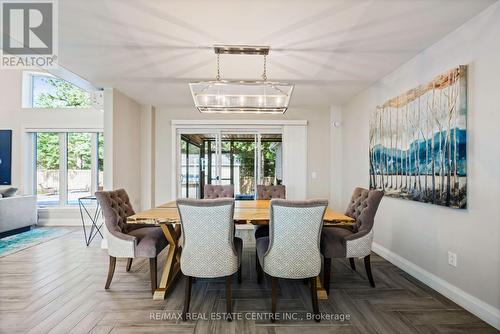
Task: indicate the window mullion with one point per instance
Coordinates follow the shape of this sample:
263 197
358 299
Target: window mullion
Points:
63 168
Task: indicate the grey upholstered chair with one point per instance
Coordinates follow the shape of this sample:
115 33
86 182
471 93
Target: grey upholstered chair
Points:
209 247
212 191
128 240
352 241
268 192
292 249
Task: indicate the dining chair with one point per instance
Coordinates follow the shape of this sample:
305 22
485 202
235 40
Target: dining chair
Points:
268 192
210 249
352 241
211 191
128 240
292 250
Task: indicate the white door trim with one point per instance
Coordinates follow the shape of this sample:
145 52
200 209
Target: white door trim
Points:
250 122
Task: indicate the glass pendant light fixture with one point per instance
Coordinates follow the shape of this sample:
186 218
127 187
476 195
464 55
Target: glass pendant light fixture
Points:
241 96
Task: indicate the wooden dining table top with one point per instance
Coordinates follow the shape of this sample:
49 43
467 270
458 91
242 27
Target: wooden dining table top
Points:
255 212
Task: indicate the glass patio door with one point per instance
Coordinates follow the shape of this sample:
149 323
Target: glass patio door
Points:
243 159
198 163
239 152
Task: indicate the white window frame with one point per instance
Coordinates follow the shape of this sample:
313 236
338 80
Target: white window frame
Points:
96 94
63 162
27 90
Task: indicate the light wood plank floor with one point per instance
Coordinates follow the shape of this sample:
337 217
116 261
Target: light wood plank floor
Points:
58 287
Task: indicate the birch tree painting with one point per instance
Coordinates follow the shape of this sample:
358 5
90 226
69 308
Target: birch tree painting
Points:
418 142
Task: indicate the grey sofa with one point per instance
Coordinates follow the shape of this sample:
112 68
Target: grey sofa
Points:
17 213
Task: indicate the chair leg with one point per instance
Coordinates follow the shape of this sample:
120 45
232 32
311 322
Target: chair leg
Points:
111 271
228 298
152 270
314 298
353 264
129 263
368 268
260 273
187 297
256 260
327 266
274 297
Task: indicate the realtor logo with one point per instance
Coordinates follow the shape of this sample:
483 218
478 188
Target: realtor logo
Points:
29 34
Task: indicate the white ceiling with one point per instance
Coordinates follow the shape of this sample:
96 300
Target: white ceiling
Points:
331 50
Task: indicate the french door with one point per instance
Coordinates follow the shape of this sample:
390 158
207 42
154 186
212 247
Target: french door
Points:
242 158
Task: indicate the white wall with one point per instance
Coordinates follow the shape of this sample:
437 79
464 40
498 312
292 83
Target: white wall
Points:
422 234
318 135
122 140
148 157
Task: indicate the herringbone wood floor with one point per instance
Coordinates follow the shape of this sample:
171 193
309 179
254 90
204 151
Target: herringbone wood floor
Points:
58 287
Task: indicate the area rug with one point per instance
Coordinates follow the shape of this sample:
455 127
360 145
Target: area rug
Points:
18 242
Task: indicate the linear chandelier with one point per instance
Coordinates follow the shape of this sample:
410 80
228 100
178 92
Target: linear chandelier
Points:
241 96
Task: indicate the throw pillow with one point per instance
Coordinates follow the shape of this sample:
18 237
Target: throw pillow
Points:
8 192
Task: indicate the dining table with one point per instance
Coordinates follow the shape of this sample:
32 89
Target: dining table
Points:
254 212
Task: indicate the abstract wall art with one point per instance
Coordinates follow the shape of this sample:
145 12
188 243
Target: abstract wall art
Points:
418 142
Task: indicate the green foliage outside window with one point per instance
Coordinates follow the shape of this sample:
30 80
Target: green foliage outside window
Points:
61 94
268 158
244 153
100 151
47 150
79 151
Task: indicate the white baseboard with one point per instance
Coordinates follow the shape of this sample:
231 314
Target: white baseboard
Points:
485 311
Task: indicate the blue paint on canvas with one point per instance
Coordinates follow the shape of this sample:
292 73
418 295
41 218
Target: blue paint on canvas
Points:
418 142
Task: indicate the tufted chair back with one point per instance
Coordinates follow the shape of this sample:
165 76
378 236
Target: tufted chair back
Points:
363 207
294 239
212 191
116 207
207 230
270 192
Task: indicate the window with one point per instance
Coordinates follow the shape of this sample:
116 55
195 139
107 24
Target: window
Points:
271 153
239 162
243 159
42 90
79 150
47 168
190 168
100 161
69 165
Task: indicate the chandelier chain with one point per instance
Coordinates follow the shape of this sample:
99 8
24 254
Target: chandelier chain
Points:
218 69
264 74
